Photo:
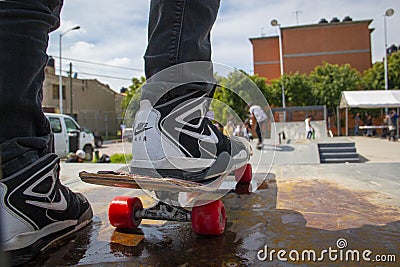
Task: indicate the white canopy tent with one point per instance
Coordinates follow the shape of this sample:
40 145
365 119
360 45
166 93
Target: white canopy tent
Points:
368 99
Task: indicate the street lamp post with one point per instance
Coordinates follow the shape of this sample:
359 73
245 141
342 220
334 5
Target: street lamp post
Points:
60 71
275 23
388 13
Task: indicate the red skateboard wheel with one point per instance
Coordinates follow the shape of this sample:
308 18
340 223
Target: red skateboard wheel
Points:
244 174
121 212
209 219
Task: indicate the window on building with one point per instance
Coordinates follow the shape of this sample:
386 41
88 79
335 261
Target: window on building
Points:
55 125
56 91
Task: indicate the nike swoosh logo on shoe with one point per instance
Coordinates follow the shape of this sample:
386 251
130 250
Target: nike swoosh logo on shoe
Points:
141 127
212 138
60 205
142 130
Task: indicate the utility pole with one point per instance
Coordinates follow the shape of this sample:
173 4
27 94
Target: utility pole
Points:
70 90
388 13
60 86
275 23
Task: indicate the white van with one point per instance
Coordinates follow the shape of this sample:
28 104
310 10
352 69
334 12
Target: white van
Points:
69 136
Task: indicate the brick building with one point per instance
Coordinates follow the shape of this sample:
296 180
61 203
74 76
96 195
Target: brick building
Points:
307 46
94 105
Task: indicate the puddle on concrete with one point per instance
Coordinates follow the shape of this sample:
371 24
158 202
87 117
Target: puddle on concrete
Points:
326 205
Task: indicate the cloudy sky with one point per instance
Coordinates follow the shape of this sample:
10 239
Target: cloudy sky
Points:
114 32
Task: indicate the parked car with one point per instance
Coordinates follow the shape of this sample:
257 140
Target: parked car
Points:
127 134
69 136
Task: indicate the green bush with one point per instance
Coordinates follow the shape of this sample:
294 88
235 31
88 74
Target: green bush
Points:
120 158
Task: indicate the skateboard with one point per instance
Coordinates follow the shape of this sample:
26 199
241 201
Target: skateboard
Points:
207 214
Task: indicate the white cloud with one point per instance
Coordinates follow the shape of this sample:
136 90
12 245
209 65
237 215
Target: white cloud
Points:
82 49
120 61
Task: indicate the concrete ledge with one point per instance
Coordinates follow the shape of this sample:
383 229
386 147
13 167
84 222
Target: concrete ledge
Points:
296 130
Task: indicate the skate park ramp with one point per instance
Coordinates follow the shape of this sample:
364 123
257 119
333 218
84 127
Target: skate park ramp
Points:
295 148
297 130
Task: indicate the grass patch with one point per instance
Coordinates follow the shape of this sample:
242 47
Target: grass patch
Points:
120 158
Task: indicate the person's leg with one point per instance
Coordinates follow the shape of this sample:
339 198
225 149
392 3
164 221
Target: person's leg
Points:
179 32
35 208
24 130
259 134
392 135
171 125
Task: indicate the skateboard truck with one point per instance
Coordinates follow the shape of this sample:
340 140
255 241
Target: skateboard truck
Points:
162 211
127 213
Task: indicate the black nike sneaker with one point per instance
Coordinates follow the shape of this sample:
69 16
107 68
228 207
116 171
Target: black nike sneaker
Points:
38 210
176 139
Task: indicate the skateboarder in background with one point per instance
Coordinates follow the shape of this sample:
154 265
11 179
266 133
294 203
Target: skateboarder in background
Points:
36 208
260 117
309 129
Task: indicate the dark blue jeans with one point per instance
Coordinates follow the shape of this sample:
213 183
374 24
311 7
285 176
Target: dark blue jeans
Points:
179 31
24 130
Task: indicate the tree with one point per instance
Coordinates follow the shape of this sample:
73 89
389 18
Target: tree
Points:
236 91
229 95
394 71
271 92
130 103
297 90
329 80
374 78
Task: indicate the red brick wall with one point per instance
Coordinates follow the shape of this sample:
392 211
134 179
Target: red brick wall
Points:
305 47
266 57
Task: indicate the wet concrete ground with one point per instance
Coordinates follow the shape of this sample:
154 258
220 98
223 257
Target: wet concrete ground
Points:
337 211
290 214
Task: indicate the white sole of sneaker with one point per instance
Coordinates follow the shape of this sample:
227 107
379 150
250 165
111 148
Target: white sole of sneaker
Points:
18 252
23 240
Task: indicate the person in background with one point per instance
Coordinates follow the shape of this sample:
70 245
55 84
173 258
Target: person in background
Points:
228 129
240 130
368 122
309 128
247 126
77 157
257 113
392 121
357 120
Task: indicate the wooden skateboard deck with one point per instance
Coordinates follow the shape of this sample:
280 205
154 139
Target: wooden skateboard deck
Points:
135 181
